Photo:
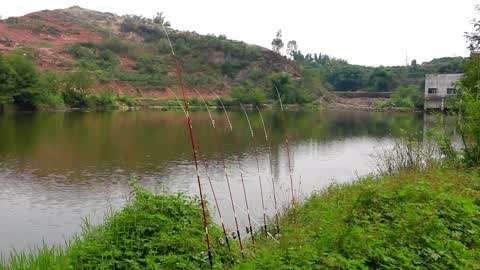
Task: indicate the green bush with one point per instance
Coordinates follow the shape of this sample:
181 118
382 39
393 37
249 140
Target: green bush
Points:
245 95
289 91
347 78
127 100
404 97
410 220
150 232
106 99
8 82
76 98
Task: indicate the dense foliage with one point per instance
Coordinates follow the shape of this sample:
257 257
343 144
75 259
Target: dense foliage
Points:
342 76
410 220
151 232
404 97
25 87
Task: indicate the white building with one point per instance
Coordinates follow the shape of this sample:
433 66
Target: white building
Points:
438 87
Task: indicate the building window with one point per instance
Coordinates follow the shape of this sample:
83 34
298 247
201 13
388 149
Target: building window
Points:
451 91
432 91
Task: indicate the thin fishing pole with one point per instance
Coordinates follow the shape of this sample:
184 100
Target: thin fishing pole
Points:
288 148
246 201
225 172
194 147
205 164
178 101
267 142
258 167
258 223
241 174
206 106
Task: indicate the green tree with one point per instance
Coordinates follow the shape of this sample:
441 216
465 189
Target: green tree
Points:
381 80
255 96
24 68
288 90
277 42
8 79
292 48
346 78
281 85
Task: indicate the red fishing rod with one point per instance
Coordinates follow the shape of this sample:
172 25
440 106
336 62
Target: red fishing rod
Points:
255 153
250 227
225 172
267 142
205 164
288 149
188 123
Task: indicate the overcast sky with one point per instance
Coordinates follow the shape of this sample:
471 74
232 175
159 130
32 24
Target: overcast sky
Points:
368 32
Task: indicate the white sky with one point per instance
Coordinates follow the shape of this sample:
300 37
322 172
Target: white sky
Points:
368 32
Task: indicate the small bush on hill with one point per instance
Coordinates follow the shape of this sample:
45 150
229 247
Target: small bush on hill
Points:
241 94
289 91
404 97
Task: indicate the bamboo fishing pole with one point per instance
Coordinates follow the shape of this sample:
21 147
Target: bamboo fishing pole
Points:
225 172
205 164
267 142
178 71
255 153
288 149
241 173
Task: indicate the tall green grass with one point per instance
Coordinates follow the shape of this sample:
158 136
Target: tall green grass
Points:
150 232
410 220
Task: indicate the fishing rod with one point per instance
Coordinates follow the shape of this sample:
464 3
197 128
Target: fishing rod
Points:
226 177
267 142
205 164
258 223
250 227
288 149
255 153
189 127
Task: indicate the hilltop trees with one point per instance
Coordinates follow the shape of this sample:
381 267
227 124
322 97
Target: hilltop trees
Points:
381 80
292 48
473 38
347 78
277 42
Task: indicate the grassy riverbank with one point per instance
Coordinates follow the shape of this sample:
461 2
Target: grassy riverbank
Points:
409 220
150 232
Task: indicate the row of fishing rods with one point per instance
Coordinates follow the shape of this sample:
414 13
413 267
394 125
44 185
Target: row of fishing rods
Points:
197 159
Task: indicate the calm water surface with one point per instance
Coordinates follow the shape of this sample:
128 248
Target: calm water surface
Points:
58 168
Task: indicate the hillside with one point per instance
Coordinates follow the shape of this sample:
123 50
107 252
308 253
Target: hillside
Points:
131 55
47 56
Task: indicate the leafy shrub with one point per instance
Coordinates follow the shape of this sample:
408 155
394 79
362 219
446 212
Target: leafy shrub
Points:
76 98
79 79
381 80
25 71
347 78
106 99
290 92
127 100
151 232
245 95
410 220
8 82
404 97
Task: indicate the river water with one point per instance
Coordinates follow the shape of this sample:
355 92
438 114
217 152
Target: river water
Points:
58 168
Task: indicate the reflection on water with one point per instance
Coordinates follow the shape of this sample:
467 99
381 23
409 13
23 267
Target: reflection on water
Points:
56 168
